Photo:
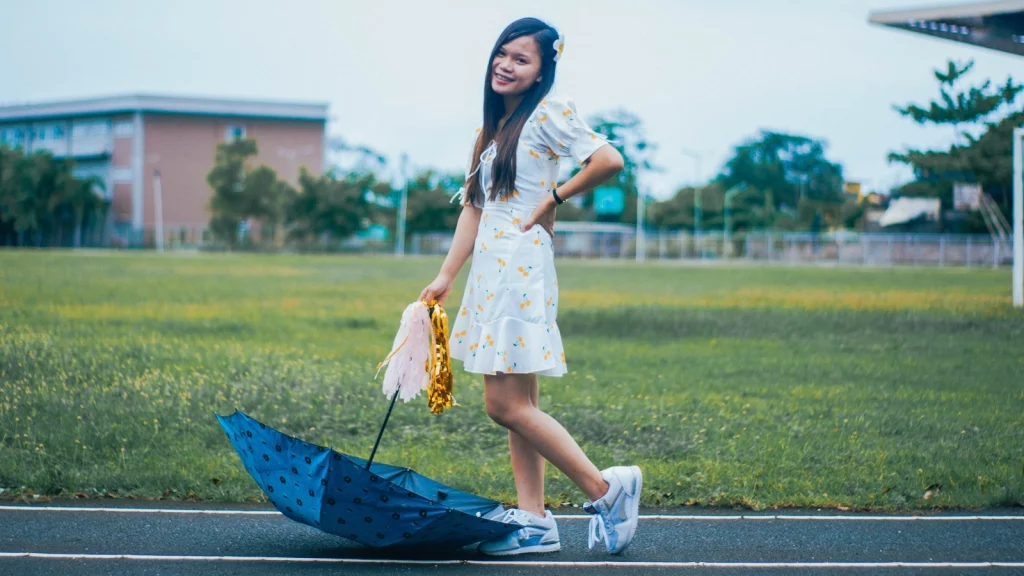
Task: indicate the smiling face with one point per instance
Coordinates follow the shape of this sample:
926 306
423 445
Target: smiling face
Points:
516 66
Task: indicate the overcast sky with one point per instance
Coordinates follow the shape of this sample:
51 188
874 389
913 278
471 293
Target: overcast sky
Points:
406 76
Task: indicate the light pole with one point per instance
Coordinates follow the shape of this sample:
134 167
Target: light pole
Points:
402 204
1018 217
696 157
158 210
729 195
697 212
641 235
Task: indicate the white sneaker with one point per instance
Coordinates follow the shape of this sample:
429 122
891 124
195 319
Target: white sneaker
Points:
537 535
616 513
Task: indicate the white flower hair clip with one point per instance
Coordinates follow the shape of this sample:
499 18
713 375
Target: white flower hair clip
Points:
559 46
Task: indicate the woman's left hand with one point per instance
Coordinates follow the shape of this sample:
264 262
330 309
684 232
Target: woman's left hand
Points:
543 215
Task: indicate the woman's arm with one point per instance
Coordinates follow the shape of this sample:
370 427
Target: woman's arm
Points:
460 251
604 163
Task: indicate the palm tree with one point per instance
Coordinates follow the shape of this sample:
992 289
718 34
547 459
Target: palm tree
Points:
84 198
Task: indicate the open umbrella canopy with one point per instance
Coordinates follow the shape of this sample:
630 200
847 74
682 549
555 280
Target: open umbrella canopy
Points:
378 506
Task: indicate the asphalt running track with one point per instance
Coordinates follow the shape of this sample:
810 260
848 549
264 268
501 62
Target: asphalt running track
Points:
175 538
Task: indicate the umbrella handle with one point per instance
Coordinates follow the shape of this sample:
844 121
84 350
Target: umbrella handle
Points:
382 426
387 416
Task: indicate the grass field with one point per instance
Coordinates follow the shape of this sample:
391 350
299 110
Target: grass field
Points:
745 386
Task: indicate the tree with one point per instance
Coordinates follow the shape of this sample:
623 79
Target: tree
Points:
625 131
46 182
265 200
676 213
774 180
429 206
788 166
40 184
245 194
40 196
9 192
327 207
84 200
851 213
990 158
356 158
228 204
982 119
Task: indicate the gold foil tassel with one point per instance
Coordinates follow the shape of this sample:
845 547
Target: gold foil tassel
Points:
439 391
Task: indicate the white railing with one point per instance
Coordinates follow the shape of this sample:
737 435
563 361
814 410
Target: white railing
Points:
842 248
610 243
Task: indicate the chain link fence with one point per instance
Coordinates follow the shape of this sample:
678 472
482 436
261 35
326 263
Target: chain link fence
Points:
841 248
610 241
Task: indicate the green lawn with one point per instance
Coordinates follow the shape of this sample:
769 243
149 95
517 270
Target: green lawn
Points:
750 386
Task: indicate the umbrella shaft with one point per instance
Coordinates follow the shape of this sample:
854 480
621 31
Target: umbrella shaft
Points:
381 433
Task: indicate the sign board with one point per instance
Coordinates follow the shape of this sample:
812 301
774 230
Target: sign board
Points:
374 232
609 200
853 189
966 195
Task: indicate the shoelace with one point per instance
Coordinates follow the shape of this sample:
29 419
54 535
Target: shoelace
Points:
515 515
598 532
599 528
519 517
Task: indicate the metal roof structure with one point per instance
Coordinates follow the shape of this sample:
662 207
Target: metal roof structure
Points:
994 25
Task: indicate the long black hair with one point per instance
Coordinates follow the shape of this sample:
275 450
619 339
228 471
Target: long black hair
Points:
503 173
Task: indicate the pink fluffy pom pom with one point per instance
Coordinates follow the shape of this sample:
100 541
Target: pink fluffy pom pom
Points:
407 363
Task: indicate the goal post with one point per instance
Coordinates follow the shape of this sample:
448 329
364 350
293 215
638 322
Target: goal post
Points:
1018 217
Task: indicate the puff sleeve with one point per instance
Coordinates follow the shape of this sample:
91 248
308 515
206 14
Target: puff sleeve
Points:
563 130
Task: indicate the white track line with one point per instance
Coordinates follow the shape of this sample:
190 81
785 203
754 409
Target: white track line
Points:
552 564
558 516
797 517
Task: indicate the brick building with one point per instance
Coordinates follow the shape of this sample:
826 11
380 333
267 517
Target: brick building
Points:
124 140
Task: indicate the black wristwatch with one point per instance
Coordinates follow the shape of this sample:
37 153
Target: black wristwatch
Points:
557 199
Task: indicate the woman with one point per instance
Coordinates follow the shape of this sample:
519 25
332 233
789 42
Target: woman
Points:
506 326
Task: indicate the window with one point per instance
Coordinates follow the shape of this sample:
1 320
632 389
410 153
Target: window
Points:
90 129
234 132
47 132
12 137
121 174
91 137
124 128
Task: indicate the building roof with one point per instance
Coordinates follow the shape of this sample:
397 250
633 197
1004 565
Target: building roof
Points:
165 104
994 25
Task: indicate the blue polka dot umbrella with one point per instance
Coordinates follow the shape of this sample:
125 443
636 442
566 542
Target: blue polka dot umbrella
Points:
365 501
377 505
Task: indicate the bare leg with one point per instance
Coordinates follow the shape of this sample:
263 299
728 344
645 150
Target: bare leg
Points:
528 465
509 403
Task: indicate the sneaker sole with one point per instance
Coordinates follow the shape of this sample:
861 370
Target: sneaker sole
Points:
539 549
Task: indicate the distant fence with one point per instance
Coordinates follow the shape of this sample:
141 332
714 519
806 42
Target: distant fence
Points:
174 236
844 248
609 241
882 249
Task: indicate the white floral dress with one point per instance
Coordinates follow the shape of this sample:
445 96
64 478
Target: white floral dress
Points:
507 320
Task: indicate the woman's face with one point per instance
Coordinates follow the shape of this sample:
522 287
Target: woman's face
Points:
516 66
